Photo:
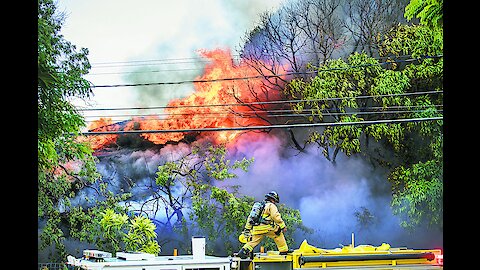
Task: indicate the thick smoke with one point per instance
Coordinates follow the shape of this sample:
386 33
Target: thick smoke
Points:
334 200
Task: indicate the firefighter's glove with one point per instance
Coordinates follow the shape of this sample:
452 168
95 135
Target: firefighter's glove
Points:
247 235
279 230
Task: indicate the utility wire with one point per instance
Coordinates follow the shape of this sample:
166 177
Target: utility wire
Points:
290 116
150 64
149 71
204 81
242 114
168 60
261 102
198 58
385 121
266 113
258 76
162 62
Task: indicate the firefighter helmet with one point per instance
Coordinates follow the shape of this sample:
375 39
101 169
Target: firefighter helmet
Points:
273 195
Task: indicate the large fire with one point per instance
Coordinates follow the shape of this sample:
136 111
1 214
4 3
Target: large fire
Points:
218 102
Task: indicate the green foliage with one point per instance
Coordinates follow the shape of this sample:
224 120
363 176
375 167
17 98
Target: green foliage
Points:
52 234
112 228
164 173
387 88
418 194
119 232
66 165
215 212
60 71
417 185
218 167
430 12
335 95
219 215
393 133
141 236
111 225
339 91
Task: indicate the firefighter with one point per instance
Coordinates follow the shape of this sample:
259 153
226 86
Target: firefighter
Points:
272 225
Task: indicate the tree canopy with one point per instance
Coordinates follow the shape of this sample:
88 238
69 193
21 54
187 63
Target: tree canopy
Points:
65 164
407 84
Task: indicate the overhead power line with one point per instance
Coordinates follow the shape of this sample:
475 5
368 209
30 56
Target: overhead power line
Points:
205 81
152 63
164 60
253 115
196 59
288 126
259 76
262 102
149 71
170 61
282 112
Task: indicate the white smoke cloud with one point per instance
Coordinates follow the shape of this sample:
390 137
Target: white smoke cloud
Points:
328 196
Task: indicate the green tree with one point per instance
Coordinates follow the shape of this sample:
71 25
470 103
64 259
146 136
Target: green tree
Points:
66 164
347 91
430 12
417 184
361 88
119 232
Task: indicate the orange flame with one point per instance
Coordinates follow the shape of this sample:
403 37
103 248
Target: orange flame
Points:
103 124
217 103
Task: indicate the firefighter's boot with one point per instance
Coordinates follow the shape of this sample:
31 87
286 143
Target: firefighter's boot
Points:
243 253
286 252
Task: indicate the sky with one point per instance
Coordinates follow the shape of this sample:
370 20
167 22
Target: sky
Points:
120 33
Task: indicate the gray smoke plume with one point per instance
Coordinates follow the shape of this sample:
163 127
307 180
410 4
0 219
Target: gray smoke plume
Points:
334 200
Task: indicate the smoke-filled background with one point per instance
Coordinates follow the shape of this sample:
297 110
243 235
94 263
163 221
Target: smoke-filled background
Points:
334 200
